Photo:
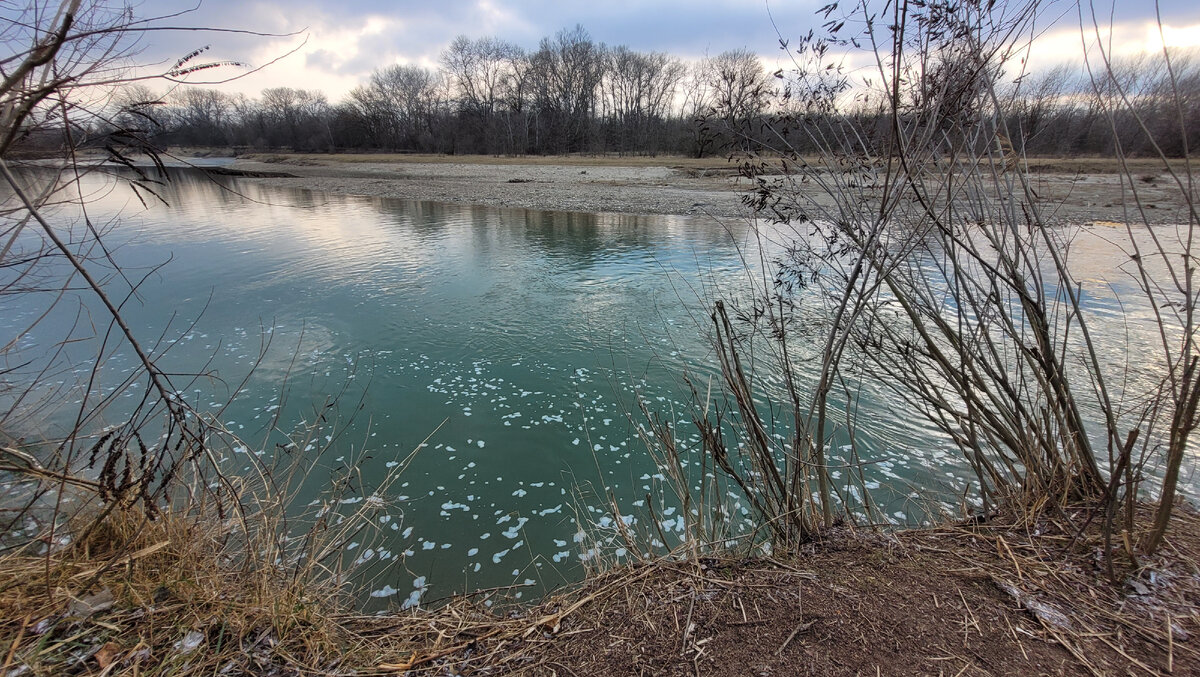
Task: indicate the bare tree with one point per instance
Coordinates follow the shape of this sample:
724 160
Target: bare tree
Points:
200 116
293 117
739 89
486 77
398 106
639 90
1039 104
567 71
481 71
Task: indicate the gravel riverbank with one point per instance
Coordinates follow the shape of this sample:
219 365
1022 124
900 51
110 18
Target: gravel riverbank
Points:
1077 192
664 189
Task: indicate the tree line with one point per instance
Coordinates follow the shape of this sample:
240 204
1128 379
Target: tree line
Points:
489 96
575 95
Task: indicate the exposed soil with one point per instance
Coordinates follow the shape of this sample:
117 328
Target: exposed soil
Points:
1002 599
868 611
1009 596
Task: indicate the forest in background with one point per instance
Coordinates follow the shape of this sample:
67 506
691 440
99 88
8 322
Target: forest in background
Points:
575 95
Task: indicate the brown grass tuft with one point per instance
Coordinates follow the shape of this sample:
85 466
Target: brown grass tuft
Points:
169 596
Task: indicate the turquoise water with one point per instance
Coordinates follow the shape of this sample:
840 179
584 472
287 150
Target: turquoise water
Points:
513 343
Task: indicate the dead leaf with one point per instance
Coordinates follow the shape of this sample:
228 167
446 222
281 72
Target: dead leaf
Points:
107 654
92 604
190 642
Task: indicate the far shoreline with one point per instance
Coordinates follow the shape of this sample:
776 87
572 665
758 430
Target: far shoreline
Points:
1081 190
666 186
1073 191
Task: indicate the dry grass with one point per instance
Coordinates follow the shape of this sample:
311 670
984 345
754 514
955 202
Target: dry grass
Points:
1009 596
135 595
252 583
177 596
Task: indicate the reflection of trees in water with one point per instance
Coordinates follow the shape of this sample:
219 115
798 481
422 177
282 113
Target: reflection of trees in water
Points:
230 193
403 227
579 236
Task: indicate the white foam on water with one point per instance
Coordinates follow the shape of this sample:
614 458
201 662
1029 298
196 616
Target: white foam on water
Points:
414 599
385 591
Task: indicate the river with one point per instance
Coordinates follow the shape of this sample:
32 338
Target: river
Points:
505 346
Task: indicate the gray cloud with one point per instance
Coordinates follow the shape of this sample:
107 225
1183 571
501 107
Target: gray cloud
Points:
687 28
343 50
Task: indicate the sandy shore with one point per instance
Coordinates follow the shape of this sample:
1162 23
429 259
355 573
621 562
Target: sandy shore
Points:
1076 192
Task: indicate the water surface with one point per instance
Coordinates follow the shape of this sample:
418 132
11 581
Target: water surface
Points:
513 341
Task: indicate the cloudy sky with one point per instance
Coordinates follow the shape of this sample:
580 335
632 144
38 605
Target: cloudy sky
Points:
335 45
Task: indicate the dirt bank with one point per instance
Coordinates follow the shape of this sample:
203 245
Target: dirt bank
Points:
1019 595
1007 597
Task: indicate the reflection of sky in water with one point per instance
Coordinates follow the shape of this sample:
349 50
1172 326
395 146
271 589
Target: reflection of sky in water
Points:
526 332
